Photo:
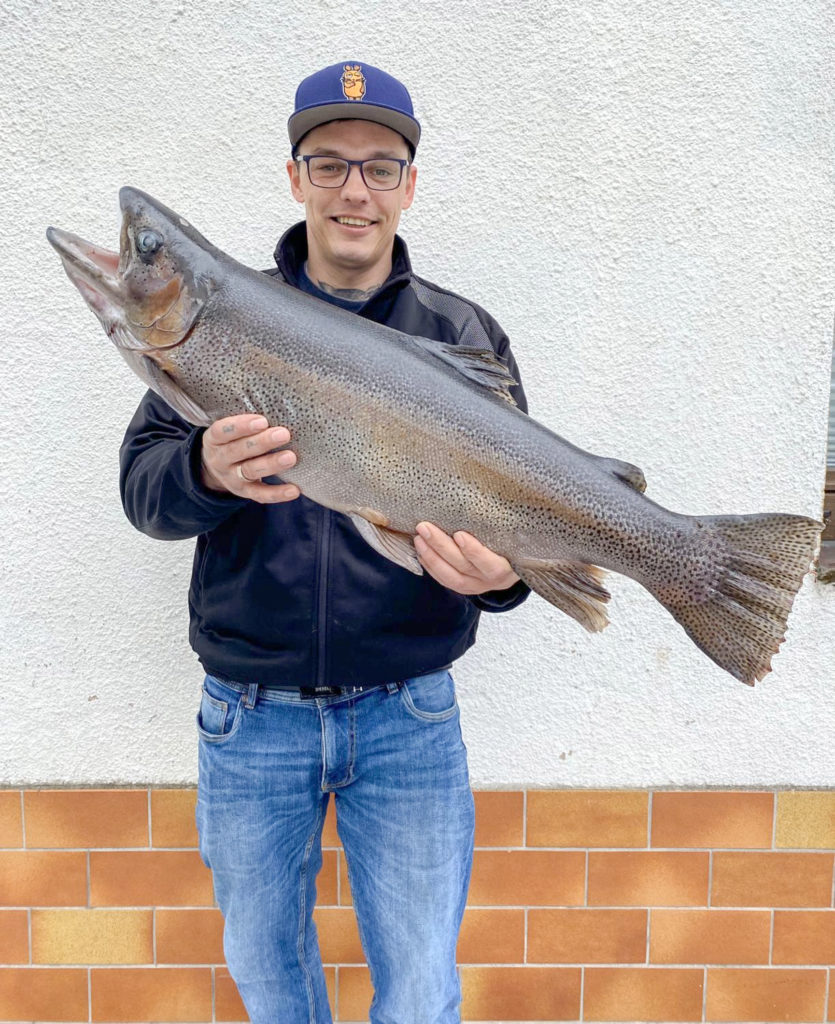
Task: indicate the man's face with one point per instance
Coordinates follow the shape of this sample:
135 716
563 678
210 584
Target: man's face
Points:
352 255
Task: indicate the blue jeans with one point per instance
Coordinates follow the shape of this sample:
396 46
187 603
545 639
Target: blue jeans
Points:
397 766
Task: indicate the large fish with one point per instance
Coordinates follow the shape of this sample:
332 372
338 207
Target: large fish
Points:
392 430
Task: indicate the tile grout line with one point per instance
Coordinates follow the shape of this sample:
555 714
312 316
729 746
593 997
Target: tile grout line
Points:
337 1007
772 916
22 820
704 992
150 825
710 879
89 994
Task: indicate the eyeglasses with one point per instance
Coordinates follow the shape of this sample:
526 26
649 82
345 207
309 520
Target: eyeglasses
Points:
382 175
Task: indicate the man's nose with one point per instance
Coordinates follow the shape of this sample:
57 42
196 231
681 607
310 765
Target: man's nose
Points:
355 187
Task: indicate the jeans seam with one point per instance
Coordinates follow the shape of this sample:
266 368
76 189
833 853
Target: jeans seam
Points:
311 996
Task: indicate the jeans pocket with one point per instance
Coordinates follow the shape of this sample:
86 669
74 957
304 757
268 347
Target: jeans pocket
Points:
220 710
431 698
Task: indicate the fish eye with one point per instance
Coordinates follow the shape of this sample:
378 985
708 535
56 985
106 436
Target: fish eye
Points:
147 242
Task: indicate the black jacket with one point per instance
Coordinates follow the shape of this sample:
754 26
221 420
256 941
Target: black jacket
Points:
290 594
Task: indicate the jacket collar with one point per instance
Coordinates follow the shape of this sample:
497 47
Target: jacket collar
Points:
291 252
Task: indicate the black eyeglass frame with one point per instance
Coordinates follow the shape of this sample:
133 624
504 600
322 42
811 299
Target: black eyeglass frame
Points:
307 157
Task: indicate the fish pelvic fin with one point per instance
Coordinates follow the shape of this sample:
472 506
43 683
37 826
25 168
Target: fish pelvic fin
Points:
573 587
397 547
741 620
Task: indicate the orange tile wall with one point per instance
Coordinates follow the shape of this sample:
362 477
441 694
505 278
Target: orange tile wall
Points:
584 905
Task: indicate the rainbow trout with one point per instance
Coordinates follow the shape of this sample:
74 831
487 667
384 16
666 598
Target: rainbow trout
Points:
391 429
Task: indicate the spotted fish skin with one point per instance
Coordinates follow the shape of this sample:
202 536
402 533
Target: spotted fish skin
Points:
393 430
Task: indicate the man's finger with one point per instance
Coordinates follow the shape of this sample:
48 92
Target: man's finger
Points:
267 465
487 562
445 546
440 569
230 428
271 494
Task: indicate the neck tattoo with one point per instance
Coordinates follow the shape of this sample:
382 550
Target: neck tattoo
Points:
347 294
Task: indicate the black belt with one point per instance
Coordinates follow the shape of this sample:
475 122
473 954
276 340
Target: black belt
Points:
312 692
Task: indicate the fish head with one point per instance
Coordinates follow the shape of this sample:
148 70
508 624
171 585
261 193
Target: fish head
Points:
149 294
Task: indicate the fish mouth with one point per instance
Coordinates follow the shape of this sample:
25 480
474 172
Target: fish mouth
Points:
93 270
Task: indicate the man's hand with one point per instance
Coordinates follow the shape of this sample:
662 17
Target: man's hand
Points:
239 450
461 562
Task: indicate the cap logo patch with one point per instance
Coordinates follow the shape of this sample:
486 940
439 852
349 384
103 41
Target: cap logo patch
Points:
353 82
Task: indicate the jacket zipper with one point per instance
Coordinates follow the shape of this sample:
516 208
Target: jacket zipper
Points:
322 600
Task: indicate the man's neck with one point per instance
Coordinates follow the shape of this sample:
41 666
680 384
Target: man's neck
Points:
349 287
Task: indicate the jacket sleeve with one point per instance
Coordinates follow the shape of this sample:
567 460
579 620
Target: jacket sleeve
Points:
160 479
503 600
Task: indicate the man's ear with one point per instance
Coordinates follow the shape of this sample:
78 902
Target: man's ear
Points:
295 180
409 195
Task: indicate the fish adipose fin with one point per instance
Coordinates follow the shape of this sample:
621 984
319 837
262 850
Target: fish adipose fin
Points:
741 621
627 472
480 365
398 547
573 587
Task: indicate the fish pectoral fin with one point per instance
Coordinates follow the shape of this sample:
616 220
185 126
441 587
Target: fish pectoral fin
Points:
397 547
627 472
574 587
166 387
480 365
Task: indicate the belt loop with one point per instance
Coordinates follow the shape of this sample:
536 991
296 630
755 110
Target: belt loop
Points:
393 687
251 696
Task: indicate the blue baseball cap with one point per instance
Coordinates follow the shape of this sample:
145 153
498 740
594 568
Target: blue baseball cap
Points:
351 90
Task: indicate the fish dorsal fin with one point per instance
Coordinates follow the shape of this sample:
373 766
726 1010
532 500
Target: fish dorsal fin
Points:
166 387
573 587
480 365
627 472
397 547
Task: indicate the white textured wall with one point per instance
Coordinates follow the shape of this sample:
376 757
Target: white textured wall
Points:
641 193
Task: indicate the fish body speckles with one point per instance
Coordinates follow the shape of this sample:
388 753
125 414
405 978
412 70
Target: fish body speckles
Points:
391 430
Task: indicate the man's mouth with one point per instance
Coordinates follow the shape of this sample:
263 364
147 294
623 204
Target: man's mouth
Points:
354 222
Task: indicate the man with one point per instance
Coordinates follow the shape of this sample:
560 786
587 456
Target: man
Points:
327 664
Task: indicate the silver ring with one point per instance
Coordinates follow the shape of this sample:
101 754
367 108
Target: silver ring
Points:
240 470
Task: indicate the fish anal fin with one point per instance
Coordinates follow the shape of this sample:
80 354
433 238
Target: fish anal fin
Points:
397 547
574 587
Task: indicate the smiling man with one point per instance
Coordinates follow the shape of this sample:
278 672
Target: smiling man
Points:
327 665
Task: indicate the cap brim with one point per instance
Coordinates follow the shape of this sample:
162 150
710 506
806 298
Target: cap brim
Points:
306 120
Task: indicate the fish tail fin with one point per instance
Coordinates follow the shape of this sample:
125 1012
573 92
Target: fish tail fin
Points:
739 618
573 587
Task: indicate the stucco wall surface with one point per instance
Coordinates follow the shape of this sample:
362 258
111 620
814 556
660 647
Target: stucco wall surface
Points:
641 194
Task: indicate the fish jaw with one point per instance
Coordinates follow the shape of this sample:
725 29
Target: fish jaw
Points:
95 273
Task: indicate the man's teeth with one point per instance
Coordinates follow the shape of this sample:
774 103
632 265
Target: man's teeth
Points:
358 222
